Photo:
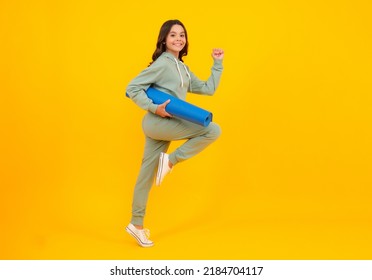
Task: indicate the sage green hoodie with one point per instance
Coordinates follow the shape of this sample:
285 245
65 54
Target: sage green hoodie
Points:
170 75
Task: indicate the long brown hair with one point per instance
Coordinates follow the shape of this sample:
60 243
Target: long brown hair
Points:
160 44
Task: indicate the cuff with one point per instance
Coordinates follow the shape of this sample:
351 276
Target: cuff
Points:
152 108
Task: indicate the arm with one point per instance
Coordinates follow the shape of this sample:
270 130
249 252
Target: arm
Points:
136 89
209 86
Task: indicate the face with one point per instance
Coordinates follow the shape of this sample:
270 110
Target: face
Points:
176 40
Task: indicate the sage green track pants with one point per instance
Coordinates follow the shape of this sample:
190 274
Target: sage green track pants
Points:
159 132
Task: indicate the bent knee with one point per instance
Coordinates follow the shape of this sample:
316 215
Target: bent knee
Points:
214 130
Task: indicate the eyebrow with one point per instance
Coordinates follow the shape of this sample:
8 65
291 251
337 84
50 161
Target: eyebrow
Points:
176 32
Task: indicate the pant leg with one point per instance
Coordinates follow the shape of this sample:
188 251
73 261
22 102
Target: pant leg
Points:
159 132
168 129
146 176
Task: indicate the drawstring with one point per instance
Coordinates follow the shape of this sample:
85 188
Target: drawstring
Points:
188 75
179 72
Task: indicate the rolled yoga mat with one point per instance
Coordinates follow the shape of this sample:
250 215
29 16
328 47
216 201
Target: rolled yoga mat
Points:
180 108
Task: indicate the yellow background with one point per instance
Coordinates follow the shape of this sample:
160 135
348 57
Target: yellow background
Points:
290 177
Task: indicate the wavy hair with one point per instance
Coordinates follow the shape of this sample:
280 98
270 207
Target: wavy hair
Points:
160 44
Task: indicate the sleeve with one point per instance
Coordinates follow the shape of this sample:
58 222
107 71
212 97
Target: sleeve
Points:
136 89
209 86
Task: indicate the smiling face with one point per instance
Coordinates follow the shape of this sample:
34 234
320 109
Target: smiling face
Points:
176 40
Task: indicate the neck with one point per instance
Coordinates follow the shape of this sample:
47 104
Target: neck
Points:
175 54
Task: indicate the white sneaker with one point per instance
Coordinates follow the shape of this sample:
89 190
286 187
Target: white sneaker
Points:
163 168
141 235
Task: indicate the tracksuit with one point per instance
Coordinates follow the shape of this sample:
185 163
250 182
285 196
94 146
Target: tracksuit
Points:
168 74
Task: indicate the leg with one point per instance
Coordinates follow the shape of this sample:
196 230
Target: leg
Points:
197 141
199 137
145 179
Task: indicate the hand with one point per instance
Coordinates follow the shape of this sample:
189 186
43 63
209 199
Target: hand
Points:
217 53
160 111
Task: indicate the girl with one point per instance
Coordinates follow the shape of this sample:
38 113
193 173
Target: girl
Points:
167 73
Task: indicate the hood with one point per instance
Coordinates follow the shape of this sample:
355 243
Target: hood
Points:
178 62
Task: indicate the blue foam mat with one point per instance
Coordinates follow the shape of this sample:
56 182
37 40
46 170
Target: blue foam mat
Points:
180 108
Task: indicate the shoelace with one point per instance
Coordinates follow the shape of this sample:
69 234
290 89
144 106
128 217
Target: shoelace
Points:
146 232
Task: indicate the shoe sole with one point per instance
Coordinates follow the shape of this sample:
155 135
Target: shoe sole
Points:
137 239
160 169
